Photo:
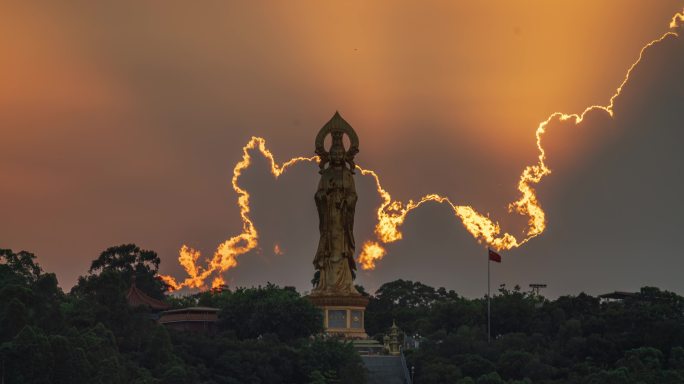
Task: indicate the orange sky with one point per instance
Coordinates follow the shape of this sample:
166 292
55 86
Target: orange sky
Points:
163 96
487 70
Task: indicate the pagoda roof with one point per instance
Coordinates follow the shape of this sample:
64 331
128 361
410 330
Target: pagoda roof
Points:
136 297
192 310
618 295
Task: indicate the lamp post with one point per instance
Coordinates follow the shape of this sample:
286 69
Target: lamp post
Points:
539 302
536 287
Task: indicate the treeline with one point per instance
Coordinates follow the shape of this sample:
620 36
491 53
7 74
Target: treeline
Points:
264 334
573 339
91 334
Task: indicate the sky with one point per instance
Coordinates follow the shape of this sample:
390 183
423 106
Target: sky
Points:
122 122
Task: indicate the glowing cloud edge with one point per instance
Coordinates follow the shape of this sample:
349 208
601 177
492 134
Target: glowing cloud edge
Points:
392 213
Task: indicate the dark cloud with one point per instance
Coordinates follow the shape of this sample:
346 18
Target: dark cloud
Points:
615 212
130 120
616 215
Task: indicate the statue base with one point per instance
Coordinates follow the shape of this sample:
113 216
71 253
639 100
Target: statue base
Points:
342 315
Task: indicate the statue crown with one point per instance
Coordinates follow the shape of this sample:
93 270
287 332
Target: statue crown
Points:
337 127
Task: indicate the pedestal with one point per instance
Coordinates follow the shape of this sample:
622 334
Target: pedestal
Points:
342 315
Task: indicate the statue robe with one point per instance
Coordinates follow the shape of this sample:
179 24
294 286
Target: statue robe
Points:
336 203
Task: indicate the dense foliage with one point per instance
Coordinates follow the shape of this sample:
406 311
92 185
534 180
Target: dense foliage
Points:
574 339
92 335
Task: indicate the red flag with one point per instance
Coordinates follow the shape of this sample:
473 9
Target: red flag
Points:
493 256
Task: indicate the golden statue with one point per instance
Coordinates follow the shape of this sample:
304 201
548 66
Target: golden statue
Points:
336 203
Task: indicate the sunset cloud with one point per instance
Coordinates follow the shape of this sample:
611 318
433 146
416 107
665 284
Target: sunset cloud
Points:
117 134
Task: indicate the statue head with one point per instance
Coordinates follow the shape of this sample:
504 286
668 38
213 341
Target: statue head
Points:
337 155
337 150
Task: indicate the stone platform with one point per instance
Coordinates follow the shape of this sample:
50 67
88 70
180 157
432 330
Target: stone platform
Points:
342 315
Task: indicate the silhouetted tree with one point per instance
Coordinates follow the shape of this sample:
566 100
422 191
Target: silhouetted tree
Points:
254 312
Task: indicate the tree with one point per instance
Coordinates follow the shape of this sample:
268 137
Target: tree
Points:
512 364
406 293
438 371
158 352
512 311
130 261
13 318
28 350
71 365
401 300
490 378
337 362
676 360
253 312
21 264
27 295
475 365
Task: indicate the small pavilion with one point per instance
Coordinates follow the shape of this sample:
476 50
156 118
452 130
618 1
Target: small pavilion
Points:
135 297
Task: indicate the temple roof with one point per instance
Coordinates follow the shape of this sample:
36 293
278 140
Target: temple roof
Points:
193 310
618 295
136 297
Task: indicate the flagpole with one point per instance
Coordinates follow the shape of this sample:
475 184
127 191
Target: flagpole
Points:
489 306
